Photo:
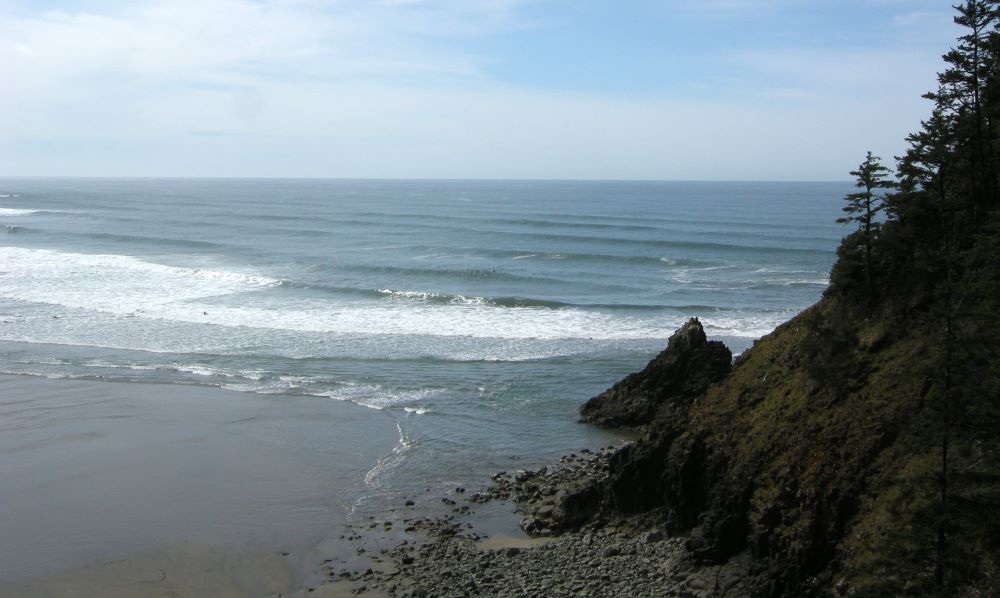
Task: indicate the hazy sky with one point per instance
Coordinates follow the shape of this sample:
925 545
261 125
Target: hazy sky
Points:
612 89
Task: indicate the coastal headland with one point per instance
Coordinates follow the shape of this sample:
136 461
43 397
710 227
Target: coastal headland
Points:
781 477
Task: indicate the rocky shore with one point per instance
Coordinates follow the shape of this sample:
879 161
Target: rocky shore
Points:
630 556
617 560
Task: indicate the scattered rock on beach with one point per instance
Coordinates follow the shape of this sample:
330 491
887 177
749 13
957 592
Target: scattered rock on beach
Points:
616 561
629 557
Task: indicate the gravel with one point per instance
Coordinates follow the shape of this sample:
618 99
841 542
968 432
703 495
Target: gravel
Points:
621 557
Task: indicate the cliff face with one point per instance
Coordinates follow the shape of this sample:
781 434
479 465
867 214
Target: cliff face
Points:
804 455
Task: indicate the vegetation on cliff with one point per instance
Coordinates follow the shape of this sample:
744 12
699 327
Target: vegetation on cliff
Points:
856 450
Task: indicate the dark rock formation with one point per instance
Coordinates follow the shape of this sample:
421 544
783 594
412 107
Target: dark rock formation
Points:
778 458
670 382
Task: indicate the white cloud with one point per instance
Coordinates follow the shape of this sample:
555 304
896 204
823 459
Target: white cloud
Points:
380 131
236 42
384 88
95 70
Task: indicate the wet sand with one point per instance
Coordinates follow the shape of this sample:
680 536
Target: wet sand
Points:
125 489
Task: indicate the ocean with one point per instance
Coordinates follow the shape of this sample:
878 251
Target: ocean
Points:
475 316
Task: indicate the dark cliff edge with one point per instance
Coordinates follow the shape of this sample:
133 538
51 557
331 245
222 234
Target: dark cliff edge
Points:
815 455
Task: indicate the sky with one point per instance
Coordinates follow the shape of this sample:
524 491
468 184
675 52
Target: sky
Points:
522 89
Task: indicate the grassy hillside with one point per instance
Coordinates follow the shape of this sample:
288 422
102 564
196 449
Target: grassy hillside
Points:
820 453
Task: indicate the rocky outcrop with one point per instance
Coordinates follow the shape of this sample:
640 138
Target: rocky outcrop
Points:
667 386
771 460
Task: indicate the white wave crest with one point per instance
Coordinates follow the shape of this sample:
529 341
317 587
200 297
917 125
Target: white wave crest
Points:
130 290
202 370
427 296
421 295
118 284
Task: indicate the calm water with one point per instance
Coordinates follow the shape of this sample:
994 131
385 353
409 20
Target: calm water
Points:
479 314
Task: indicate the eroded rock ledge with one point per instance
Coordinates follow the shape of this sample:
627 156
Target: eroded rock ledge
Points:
667 386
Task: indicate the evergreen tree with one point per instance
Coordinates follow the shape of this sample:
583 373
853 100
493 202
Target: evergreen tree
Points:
966 84
938 260
864 205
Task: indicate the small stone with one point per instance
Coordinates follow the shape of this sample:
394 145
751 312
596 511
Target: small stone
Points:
654 537
529 525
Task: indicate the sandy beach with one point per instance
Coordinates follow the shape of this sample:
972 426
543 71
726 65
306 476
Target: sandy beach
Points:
118 489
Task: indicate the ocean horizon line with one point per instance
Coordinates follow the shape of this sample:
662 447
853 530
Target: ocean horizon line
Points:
414 179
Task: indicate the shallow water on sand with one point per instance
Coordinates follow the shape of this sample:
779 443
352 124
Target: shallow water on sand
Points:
105 474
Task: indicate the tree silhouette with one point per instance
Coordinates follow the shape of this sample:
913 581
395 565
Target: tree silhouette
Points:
937 269
864 205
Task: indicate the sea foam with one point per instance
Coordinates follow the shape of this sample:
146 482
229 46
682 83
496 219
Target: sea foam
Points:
112 283
130 286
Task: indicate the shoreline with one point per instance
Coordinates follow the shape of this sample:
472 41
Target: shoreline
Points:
111 439
115 447
412 543
407 548
597 544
